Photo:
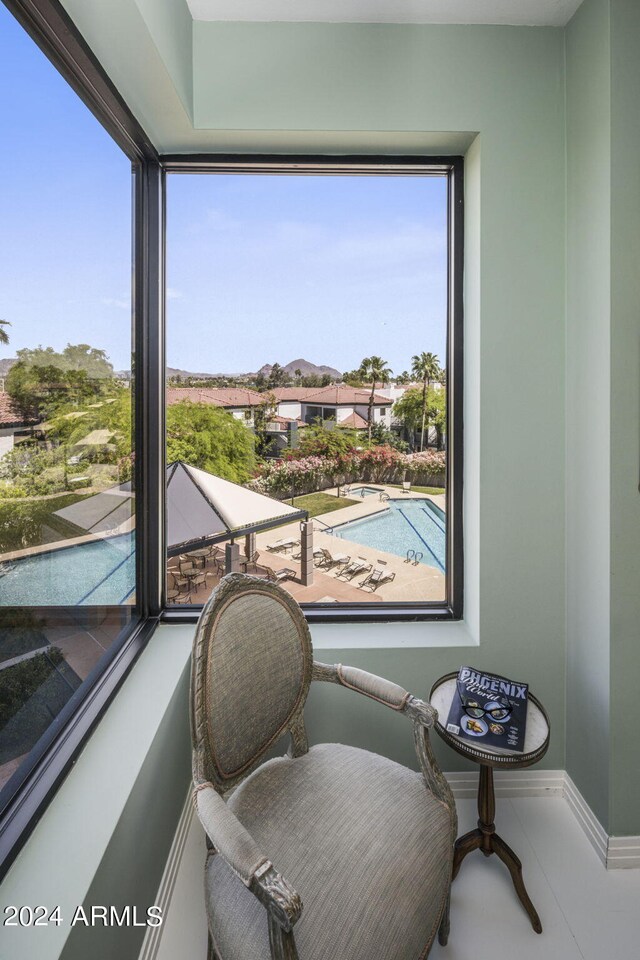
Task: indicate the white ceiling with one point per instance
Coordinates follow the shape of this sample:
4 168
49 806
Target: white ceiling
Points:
555 13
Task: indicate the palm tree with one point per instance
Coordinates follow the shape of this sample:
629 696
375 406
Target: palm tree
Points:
426 367
376 370
4 336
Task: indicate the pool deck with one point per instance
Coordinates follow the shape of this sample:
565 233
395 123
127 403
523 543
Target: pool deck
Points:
412 582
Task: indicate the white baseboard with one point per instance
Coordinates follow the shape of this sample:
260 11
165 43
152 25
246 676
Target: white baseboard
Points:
587 819
153 935
615 852
623 853
509 783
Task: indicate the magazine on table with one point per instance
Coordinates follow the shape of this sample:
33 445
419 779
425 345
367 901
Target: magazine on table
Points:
489 709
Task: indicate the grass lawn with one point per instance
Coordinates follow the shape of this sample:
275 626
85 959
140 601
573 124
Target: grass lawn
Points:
28 523
319 503
419 489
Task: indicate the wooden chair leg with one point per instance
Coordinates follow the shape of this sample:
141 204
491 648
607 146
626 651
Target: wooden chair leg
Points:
445 924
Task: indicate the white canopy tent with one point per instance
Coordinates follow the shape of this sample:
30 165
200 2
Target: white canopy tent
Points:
203 508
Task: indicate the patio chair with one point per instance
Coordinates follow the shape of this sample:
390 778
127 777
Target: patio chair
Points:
364 843
178 588
330 560
378 576
317 554
195 575
406 486
353 568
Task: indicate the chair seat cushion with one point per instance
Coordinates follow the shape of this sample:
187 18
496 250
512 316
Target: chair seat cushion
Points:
363 842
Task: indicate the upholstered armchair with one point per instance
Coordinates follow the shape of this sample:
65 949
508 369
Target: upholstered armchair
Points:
365 843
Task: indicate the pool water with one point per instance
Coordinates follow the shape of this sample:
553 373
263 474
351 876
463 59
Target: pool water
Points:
408 524
364 491
96 573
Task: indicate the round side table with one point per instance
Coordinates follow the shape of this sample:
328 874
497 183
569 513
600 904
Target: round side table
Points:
484 837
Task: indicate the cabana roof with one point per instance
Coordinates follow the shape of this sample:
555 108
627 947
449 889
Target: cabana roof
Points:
203 508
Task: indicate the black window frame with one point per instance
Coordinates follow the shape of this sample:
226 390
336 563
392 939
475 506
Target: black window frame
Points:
53 31
367 165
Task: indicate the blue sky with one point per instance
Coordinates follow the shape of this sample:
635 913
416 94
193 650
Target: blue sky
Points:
260 269
331 269
65 211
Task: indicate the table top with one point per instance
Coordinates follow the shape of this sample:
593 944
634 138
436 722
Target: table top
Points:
536 738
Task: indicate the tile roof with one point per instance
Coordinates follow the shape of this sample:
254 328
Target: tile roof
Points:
354 420
10 415
217 396
278 419
332 395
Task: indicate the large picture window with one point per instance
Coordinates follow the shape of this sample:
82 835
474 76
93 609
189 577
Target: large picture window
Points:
67 451
313 382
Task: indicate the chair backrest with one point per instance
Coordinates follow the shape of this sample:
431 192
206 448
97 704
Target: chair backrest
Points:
250 675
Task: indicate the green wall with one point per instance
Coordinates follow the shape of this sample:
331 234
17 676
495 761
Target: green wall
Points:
603 407
625 414
507 84
588 404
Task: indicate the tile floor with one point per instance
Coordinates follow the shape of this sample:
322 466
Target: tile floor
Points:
587 912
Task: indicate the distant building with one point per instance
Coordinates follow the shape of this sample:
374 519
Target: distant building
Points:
13 424
237 401
347 406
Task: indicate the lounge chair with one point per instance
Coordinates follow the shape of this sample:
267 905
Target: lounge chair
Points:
378 576
353 568
277 576
330 560
283 544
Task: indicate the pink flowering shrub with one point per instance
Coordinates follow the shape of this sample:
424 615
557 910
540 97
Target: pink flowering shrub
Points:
380 464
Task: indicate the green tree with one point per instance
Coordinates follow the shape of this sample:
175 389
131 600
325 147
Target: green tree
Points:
210 438
320 442
375 370
38 391
410 408
353 378
262 414
4 336
277 377
44 382
381 436
425 367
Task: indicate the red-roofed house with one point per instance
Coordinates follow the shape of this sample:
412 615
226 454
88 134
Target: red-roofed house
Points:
348 406
12 422
238 401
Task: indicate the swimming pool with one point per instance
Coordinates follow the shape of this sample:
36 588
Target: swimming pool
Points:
364 491
408 524
94 573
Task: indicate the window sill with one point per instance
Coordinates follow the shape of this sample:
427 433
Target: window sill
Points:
376 636
60 861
